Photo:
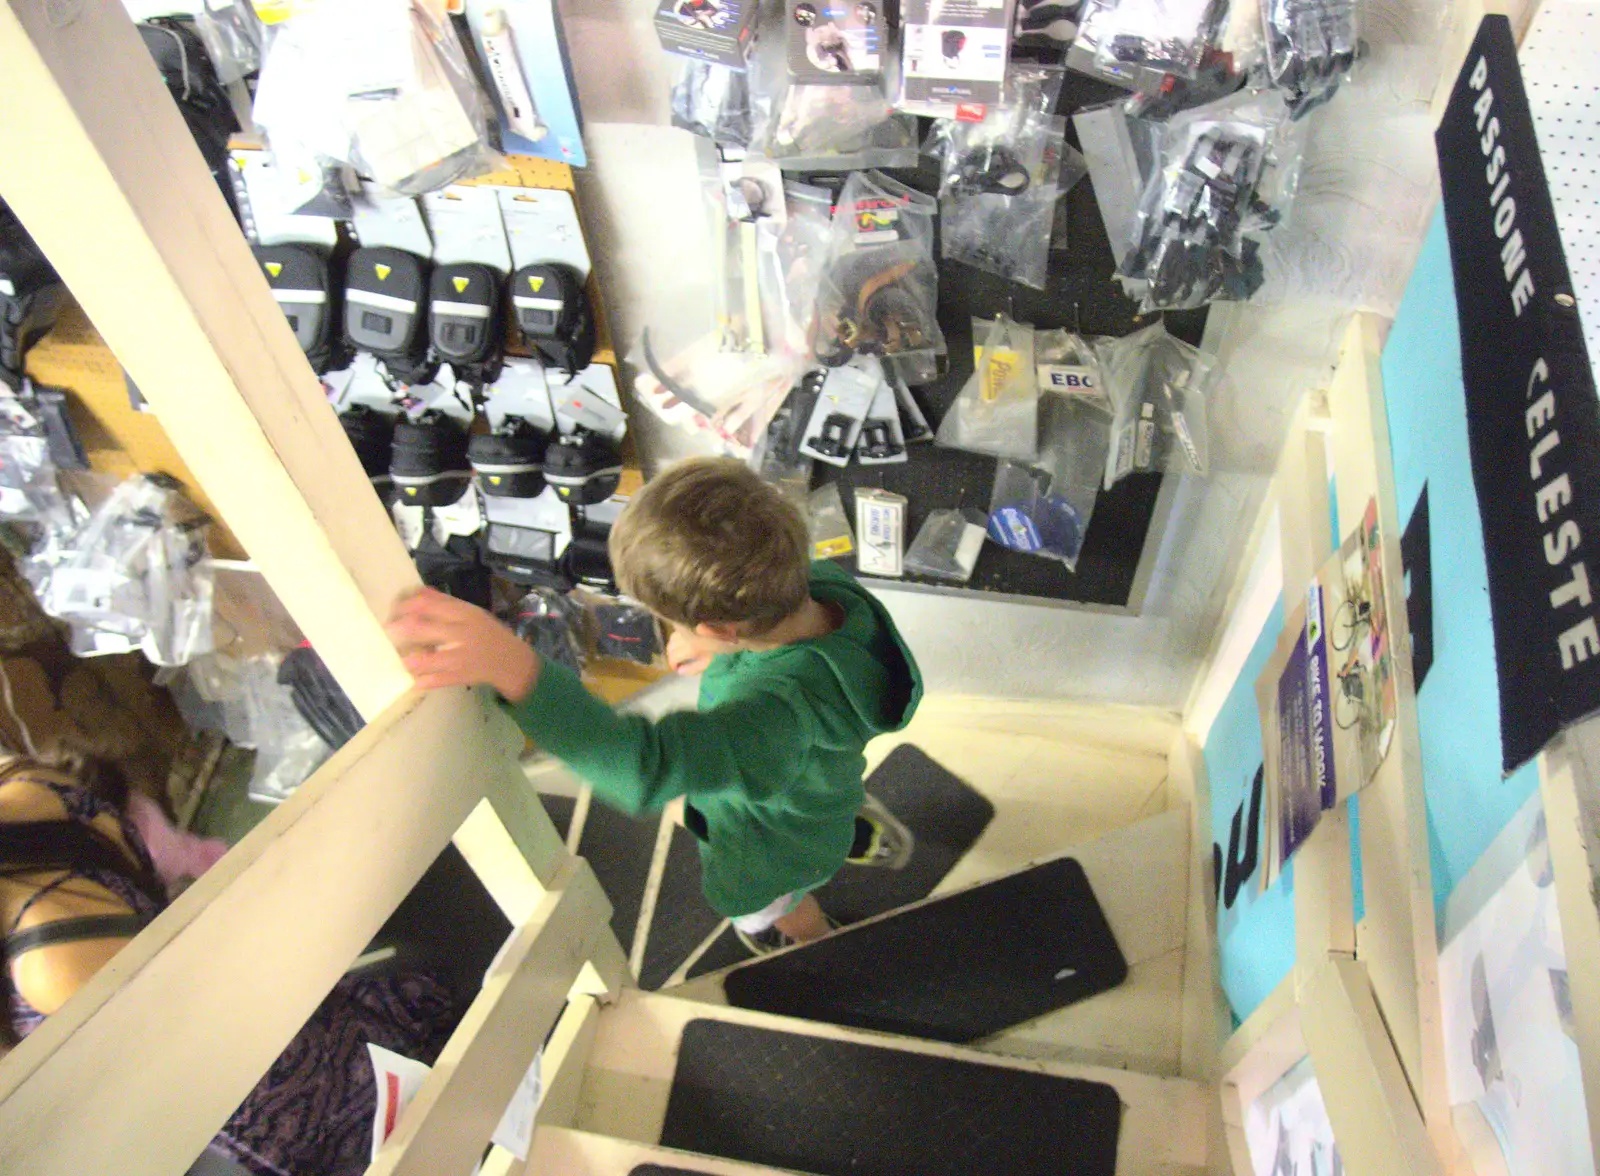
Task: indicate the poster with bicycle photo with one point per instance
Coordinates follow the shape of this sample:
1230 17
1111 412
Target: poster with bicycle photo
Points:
1327 696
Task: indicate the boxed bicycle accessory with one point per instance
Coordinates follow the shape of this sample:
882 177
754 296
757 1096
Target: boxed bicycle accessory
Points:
429 463
583 467
371 435
509 462
719 31
554 314
954 53
834 41
464 319
385 298
298 276
846 397
881 527
948 546
524 555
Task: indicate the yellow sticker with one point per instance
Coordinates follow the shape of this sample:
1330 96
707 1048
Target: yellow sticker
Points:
535 284
461 284
832 548
494 479
997 373
383 272
274 268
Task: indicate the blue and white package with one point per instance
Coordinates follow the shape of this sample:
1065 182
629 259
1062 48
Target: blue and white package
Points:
533 28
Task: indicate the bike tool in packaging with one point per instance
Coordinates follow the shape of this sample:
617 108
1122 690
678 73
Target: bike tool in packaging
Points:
880 441
846 397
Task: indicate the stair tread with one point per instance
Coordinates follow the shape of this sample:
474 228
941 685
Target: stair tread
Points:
627 1085
563 1152
833 1107
1007 951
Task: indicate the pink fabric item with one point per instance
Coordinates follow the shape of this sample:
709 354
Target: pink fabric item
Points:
175 854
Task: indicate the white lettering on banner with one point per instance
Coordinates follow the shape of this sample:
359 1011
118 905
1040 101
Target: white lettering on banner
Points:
1581 641
1513 254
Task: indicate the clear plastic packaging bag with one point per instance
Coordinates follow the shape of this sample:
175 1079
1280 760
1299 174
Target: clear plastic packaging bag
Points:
233 36
136 571
713 101
997 410
288 748
948 545
383 86
999 186
553 625
1227 174
1043 507
792 256
1065 362
880 290
831 534
1310 46
1159 388
820 127
1158 36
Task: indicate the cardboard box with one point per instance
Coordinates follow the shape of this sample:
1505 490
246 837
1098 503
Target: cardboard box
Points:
880 533
718 31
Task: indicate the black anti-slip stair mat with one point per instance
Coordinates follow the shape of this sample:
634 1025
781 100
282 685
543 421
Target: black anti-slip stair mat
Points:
944 813
957 969
658 1170
619 848
838 1108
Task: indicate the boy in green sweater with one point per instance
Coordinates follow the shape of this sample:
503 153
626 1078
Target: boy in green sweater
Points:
801 668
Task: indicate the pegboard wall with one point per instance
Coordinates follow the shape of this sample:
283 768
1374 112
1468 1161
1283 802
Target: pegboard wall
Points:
1561 70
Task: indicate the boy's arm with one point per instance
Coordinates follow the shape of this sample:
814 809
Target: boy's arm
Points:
630 762
639 765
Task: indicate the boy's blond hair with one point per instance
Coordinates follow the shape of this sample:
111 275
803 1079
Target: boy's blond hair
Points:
707 541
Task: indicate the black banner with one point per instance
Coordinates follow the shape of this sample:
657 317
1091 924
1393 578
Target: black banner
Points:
1532 417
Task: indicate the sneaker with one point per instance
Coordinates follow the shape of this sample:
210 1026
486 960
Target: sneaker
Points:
881 840
763 943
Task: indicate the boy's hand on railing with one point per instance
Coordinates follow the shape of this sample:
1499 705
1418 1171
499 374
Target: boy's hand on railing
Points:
448 642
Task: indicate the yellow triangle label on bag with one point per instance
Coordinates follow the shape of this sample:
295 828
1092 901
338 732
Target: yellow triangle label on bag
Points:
274 268
383 272
535 284
461 284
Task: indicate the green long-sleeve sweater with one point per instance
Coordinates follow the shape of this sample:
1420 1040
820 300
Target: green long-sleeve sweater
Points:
771 763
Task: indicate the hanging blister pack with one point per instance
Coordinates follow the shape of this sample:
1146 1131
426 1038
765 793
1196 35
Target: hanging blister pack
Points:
846 396
881 441
554 315
1159 389
881 531
385 310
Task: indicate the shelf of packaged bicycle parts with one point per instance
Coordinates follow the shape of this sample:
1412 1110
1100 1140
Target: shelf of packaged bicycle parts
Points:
1083 296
